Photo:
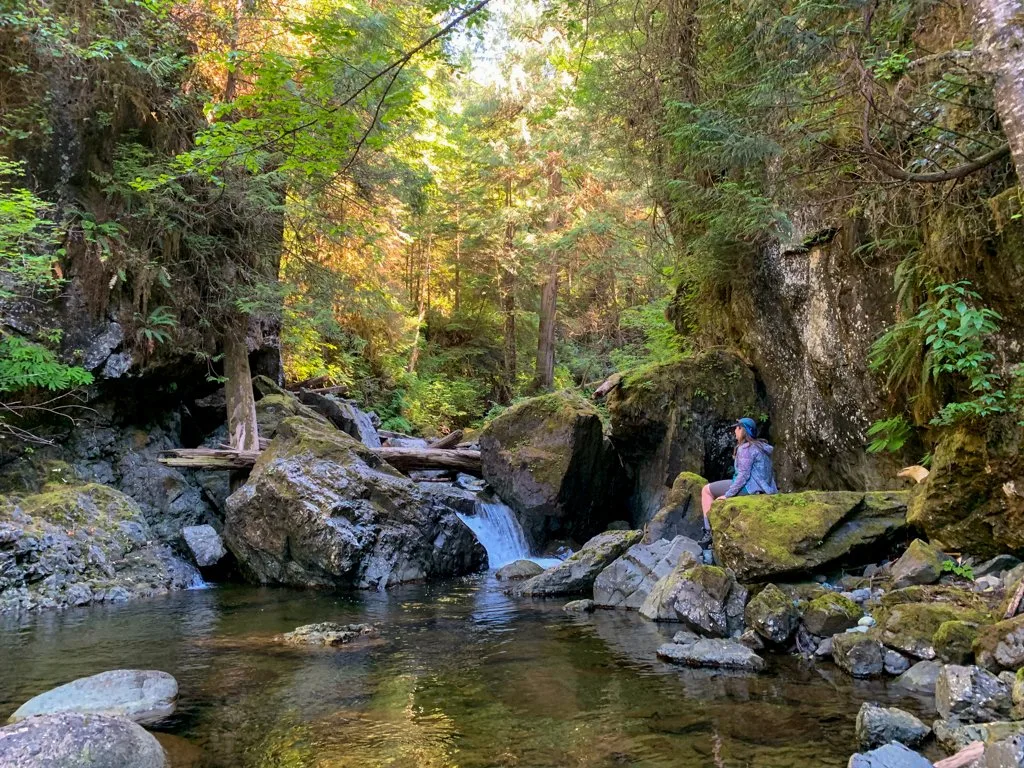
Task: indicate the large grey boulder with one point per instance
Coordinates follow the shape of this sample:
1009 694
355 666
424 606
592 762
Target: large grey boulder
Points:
715 653
141 695
971 695
920 564
628 581
321 510
879 725
345 415
205 544
576 574
705 598
858 655
920 678
75 740
890 756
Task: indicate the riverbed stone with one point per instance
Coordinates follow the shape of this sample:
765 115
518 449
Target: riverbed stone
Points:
576 574
699 597
880 725
858 655
1001 645
518 570
321 510
77 740
954 641
579 606
920 678
772 615
892 755
996 566
920 564
712 652
328 633
761 537
628 581
971 695
142 695
831 613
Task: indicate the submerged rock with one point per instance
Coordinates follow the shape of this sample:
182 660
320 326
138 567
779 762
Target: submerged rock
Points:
858 655
971 695
880 725
831 613
920 564
328 633
889 756
628 581
772 615
518 570
75 740
714 653
579 606
706 598
320 509
576 575
141 695
762 537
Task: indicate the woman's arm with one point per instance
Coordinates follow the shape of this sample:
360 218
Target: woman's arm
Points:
744 463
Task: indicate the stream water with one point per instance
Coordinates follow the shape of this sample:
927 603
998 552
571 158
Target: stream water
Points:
461 676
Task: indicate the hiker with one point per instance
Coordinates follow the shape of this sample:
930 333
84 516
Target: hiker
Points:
752 459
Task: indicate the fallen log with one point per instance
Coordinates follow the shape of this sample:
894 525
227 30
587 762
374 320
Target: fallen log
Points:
402 459
965 757
209 458
448 441
316 381
609 384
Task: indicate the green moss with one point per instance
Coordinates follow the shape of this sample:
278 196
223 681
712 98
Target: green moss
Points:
714 580
954 640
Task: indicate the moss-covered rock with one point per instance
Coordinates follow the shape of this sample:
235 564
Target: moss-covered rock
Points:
706 598
956 597
546 458
1001 645
954 641
911 627
576 574
859 655
920 564
772 615
763 537
272 409
830 614
680 513
676 416
973 498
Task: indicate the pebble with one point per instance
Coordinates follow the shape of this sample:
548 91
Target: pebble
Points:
860 595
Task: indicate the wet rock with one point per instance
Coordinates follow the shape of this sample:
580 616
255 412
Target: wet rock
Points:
911 627
544 457
1006 753
996 565
576 575
920 678
829 614
920 564
328 633
696 595
75 740
752 640
518 570
806 643
205 544
685 637
890 756
954 641
680 513
971 695
320 509
628 581
714 653
952 735
894 663
880 725
824 649
143 696
858 655
1001 645
761 537
772 615
345 415
579 606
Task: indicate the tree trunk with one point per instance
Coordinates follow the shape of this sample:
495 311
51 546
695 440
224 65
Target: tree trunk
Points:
424 305
999 36
544 372
507 290
458 258
243 433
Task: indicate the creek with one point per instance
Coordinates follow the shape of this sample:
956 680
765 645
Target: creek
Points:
461 676
500 533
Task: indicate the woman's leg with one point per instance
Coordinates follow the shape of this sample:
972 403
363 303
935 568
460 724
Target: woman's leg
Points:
708 494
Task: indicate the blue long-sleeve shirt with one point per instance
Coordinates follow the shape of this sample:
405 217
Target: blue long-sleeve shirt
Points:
754 472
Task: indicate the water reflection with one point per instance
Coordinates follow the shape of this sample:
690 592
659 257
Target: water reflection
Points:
461 676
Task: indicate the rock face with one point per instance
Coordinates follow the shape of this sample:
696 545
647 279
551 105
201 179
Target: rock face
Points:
920 564
858 655
879 725
73 740
78 544
628 581
973 498
545 458
680 513
576 575
321 510
830 614
518 570
713 653
705 598
143 696
920 678
971 695
762 537
327 633
772 615
205 544
890 756
674 417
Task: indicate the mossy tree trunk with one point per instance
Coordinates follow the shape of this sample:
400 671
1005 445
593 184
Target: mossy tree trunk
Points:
243 432
544 376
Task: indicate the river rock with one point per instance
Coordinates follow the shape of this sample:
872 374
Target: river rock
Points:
628 581
831 613
952 735
995 566
518 570
1006 753
920 678
78 544
714 653
772 615
894 663
76 740
576 574
328 633
680 513
705 598
321 510
879 725
275 407
911 627
920 564
1001 645
579 606
144 696
544 457
205 544
889 756
764 536
954 641
858 655
971 695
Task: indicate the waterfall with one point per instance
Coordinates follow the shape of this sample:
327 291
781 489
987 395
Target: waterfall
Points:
498 530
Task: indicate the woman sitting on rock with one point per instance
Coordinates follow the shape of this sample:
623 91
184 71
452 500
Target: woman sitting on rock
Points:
754 474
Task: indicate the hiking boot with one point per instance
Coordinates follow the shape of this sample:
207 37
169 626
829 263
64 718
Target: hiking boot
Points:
705 540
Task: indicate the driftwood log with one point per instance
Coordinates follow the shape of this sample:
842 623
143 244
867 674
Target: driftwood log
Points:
402 459
965 757
448 441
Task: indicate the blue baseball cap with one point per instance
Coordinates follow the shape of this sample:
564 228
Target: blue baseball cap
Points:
749 426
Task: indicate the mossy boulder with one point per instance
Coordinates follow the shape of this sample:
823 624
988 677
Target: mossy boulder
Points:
706 598
920 564
320 509
680 513
911 628
772 615
272 409
577 573
675 417
973 499
859 655
765 537
546 458
830 614
1001 645
954 641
